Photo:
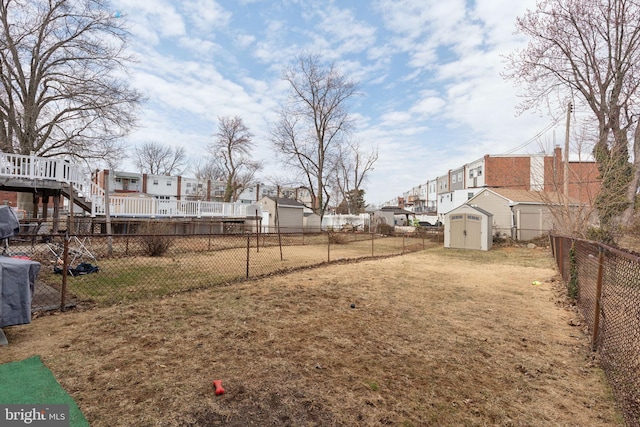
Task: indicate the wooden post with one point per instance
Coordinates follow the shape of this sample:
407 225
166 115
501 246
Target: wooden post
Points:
565 189
70 217
45 205
56 212
596 315
107 213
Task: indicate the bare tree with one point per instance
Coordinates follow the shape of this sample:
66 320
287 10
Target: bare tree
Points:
157 159
62 72
313 124
352 170
589 50
206 169
231 156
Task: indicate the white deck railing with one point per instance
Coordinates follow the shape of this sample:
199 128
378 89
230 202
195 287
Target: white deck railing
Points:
63 171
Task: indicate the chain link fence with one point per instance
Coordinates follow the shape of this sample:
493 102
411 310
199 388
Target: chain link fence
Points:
107 269
606 284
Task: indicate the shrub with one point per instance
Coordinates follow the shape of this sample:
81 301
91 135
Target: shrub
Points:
156 239
337 238
385 229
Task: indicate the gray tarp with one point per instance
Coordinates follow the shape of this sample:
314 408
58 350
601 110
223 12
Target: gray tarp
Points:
17 282
9 224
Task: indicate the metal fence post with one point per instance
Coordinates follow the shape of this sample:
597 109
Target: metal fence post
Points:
372 240
329 246
248 245
210 233
65 267
596 314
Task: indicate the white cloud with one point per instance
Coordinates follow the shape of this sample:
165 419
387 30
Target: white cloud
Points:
428 106
429 72
207 15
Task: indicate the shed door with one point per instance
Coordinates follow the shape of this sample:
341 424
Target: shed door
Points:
465 231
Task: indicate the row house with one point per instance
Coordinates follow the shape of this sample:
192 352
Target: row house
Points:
161 187
532 172
416 199
165 187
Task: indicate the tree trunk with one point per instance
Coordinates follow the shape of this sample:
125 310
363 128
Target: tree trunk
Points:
632 189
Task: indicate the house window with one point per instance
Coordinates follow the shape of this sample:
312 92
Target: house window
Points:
453 179
188 184
469 195
155 182
479 170
460 176
168 183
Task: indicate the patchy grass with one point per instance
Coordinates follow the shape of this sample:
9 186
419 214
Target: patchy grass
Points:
134 277
438 337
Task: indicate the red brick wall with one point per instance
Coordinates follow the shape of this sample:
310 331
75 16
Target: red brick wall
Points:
508 172
583 177
583 181
10 197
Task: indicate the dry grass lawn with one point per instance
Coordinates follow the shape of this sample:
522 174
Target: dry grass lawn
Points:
438 337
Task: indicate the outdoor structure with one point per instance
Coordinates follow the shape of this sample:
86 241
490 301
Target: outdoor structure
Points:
311 221
287 218
468 227
393 215
519 214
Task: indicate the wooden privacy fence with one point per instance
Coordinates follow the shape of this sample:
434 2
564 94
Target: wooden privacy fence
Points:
606 284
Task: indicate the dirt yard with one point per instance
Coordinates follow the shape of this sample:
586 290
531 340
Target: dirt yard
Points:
438 337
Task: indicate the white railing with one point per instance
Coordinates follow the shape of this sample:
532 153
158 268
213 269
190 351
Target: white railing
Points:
148 207
60 170
51 169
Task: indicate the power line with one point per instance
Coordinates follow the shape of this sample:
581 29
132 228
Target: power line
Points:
534 138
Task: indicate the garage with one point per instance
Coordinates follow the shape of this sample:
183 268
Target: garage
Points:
468 227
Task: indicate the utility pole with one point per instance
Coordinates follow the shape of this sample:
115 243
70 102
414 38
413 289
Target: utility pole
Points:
566 158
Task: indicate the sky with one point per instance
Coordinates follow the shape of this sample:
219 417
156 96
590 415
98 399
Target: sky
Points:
432 97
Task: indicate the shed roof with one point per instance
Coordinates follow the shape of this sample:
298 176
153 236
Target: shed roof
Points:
396 210
283 201
474 207
515 196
